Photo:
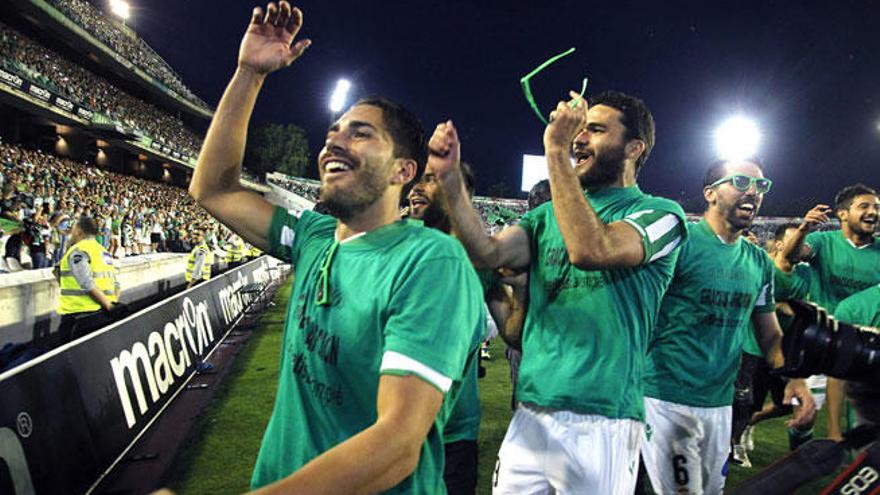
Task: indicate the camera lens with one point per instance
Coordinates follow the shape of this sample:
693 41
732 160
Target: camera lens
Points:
816 344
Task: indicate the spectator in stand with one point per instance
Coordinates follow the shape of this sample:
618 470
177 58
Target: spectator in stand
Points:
157 235
12 253
48 191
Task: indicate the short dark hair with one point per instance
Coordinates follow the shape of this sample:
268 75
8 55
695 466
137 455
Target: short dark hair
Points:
844 198
718 168
405 128
780 231
539 194
88 225
637 119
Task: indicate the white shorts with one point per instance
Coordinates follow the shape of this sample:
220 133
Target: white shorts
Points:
817 385
561 452
686 448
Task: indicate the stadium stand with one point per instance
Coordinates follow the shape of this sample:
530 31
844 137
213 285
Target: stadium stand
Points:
33 61
125 43
42 192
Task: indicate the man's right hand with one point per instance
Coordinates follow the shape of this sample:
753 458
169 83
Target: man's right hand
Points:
444 151
815 217
266 46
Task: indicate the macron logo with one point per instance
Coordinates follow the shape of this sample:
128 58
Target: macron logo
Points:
163 358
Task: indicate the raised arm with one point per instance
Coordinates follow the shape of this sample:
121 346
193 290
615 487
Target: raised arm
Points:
510 248
591 243
794 250
266 47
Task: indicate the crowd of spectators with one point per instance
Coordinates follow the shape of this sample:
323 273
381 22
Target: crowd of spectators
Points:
47 68
126 44
304 188
43 194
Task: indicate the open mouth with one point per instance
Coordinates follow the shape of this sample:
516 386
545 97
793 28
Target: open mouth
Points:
747 208
418 201
870 220
336 167
582 157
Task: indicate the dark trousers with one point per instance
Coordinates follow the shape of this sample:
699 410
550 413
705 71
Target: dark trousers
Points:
460 473
743 396
75 325
764 383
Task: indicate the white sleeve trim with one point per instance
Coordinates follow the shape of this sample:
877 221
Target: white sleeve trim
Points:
661 227
762 297
287 236
396 361
666 250
629 221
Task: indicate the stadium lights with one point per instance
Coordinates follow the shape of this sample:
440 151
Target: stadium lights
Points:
337 100
120 8
737 138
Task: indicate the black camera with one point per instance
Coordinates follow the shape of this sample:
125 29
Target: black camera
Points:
817 344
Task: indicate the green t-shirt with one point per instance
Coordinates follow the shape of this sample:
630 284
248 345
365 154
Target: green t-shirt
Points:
786 286
841 268
750 342
861 308
586 331
387 312
705 314
466 412
794 285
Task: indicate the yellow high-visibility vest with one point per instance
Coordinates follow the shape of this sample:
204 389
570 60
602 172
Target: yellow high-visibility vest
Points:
73 298
235 251
206 264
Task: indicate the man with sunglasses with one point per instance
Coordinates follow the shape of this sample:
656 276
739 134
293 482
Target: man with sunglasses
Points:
721 282
844 262
598 258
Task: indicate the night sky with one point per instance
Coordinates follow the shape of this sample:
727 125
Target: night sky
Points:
807 72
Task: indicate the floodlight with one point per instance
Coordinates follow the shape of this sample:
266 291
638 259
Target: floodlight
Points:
120 8
737 138
337 100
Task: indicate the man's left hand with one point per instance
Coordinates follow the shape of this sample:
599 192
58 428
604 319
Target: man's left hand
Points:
805 413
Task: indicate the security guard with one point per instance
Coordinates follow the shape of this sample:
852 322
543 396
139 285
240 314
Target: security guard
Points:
198 266
89 289
234 251
253 252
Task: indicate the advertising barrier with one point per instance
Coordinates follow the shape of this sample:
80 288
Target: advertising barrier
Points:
16 82
69 415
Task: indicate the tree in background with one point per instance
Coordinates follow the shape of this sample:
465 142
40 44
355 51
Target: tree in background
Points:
499 190
277 148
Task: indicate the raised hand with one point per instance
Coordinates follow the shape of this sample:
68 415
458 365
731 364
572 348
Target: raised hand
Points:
815 217
266 46
444 150
566 122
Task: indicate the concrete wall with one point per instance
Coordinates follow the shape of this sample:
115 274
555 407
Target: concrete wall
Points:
28 299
